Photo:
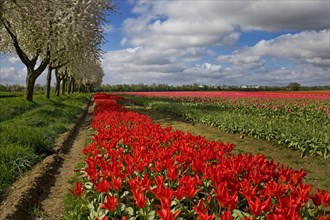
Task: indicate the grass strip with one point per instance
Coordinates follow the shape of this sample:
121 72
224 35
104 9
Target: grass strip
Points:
28 133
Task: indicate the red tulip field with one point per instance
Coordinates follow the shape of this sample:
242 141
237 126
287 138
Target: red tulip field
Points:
298 120
136 169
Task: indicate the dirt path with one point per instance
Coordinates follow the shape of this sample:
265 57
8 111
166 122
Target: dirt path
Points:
40 193
317 168
52 206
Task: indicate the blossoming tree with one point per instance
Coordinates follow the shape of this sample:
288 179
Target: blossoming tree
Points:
43 32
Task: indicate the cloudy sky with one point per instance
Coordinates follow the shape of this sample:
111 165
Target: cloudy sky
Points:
212 42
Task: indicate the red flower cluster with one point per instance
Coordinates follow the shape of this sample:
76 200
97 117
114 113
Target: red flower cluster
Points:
168 173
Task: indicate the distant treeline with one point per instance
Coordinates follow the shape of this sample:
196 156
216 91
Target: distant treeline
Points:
18 88
41 88
165 87
198 87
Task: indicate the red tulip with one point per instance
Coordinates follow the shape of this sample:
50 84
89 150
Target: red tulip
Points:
321 198
200 208
226 216
321 217
103 186
172 173
256 207
206 216
111 203
166 214
139 197
78 190
225 199
116 183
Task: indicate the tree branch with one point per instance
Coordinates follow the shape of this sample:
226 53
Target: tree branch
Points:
24 58
44 63
35 58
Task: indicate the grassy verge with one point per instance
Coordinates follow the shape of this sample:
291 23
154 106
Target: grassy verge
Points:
13 104
10 94
28 131
16 94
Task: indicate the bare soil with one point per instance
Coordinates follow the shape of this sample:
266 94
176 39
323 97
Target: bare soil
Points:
52 205
42 190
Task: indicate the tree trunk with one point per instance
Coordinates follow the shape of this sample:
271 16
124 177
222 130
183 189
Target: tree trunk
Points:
90 88
63 85
32 75
48 82
68 86
80 87
72 85
86 88
57 89
58 83
30 81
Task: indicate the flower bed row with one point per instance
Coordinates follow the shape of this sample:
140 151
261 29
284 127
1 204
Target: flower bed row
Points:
137 170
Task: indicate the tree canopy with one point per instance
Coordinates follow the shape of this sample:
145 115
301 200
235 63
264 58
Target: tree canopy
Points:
62 33
294 86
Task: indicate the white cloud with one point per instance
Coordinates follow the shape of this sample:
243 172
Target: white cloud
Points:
138 65
14 60
309 46
305 47
242 61
304 74
171 24
12 71
202 70
170 42
283 15
307 51
11 75
165 29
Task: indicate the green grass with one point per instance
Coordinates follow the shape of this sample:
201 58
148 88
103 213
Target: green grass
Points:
327 184
320 162
14 106
75 207
297 162
261 148
10 94
28 131
14 161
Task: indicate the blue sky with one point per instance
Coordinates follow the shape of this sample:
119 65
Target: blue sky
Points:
212 42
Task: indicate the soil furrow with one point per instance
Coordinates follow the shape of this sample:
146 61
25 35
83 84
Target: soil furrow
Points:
52 204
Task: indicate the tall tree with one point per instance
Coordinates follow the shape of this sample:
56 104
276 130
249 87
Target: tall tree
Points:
27 36
293 86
